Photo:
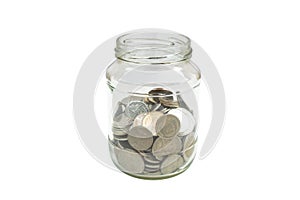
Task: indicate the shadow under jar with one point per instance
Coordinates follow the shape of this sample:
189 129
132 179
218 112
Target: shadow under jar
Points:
154 115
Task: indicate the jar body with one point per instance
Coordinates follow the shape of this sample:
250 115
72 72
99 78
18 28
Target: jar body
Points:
154 117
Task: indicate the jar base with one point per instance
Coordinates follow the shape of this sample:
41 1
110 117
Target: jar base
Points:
159 177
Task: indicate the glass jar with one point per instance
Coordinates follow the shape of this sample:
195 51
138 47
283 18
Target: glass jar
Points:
154 116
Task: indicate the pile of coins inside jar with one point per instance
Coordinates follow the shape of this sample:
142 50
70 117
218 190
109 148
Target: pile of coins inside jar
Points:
153 135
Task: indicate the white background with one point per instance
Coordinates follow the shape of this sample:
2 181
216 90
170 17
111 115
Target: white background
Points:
255 46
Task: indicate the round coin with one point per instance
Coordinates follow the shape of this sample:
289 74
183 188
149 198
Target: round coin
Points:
187 153
188 122
120 138
171 164
119 110
119 132
189 146
128 99
160 92
149 170
167 102
138 121
151 160
167 126
162 147
150 166
122 121
140 138
150 119
129 161
189 140
123 144
134 108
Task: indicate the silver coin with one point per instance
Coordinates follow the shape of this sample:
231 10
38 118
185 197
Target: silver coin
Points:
189 140
129 161
167 102
152 171
123 144
171 164
151 160
118 111
163 147
128 99
149 157
160 157
150 119
134 108
188 122
160 92
153 167
151 100
187 153
140 138
189 146
120 131
122 121
145 152
138 121
150 166
167 126
120 138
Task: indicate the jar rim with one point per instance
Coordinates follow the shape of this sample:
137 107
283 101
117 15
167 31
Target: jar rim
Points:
153 47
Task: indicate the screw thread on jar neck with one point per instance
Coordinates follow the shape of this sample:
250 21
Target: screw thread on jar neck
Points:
153 47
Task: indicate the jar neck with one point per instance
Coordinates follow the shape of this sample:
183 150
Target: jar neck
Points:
153 48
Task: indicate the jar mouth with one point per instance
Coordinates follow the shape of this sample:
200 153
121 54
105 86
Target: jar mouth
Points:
152 47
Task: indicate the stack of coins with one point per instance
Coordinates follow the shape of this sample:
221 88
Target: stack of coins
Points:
153 135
